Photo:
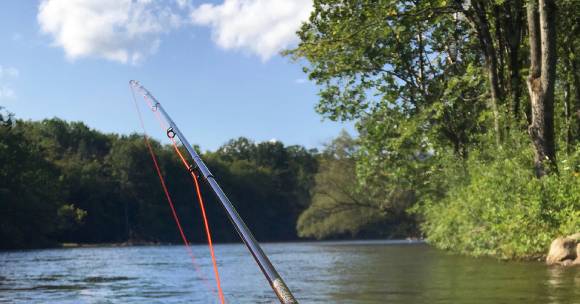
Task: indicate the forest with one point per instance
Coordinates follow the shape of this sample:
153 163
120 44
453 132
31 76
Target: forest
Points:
468 121
63 182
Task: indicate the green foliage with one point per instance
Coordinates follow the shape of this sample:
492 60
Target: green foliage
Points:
269 182
64 182
70 216
29 196
418 78
415 88
342 207
499 208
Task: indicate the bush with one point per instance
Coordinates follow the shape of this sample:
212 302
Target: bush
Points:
500 209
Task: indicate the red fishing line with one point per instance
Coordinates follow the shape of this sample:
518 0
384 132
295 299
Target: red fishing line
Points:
199 198
168 196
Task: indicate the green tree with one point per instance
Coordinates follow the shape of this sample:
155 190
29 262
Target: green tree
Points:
435 86
415 88
29 197
76 184
341 207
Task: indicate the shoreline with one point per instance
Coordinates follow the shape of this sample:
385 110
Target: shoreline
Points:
411 241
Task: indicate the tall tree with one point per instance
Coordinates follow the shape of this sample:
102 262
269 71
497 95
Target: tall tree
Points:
541 16
477 13
569 69
29 196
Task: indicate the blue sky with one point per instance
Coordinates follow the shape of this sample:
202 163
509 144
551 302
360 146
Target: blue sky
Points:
214 66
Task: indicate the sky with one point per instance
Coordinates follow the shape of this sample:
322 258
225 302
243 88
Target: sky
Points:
214 65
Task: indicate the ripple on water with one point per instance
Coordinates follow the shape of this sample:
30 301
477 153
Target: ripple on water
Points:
101 279
319 273
60 287
50 278
49 259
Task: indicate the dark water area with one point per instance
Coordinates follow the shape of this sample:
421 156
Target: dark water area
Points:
318 272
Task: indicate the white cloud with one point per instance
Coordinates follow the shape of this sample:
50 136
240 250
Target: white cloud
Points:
184 3
7 74
6 92
120 30
263 27
301 80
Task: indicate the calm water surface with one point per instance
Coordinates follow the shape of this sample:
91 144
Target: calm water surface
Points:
326 272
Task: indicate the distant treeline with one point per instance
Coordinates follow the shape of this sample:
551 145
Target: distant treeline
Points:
64 182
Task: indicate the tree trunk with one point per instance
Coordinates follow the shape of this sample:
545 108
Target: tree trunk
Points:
575 121
515 87
513 27
567 116
484 34
542 36
500 47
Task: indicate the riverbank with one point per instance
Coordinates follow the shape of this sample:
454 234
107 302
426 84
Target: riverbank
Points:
123 244
408 240
325 242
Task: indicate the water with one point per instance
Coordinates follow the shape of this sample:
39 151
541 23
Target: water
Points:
325 272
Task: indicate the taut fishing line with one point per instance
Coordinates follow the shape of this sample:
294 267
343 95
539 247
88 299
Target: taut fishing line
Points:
197 169
170 200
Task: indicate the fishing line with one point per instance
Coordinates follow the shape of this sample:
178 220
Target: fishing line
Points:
278 285
168 196
191 171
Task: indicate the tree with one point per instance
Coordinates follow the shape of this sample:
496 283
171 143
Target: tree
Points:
410 73
342 207
568 71
65 182
416 77
541 17
337 207
269 183
29 199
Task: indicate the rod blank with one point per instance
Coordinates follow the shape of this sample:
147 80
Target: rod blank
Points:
276 282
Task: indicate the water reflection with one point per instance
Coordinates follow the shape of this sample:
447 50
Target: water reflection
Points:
562 284
419 274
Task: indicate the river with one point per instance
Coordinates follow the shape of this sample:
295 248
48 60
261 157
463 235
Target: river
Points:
317 272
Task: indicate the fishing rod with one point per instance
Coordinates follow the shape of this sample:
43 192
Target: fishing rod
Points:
276 282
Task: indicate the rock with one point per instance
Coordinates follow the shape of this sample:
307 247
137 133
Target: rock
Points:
577 260
562 249
575 236
566 263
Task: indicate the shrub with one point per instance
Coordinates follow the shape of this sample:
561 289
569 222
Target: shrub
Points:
500 209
